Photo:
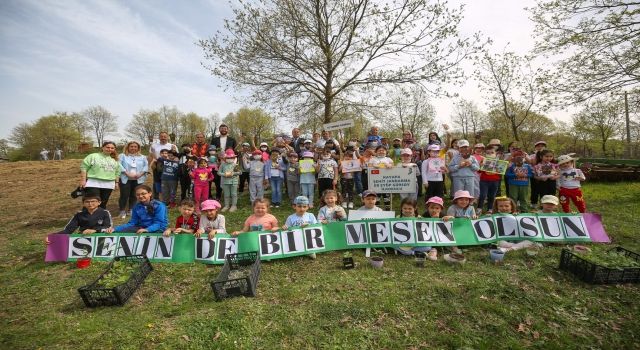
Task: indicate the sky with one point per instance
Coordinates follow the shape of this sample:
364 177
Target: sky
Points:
126 55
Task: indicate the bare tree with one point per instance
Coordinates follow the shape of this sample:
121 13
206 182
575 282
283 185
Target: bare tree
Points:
508 78
144 126
170 121
468 117
407 109
287 51
101 121
601 120
213 122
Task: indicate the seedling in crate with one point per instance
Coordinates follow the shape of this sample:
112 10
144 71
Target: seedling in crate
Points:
347 261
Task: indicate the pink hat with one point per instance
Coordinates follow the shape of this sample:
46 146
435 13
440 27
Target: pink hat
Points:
433 147
435 200
307 154
406 151
229 153
210 204
462 194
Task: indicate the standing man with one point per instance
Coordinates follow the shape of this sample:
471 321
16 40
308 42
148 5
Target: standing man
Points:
57 154
154 153
199 149
326 136
296 140
224 141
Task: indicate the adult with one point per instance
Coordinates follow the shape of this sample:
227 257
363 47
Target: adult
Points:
326 136
57 154
135 167
333 148
224 141
154 153
199 148
296 141
44 154
373 137
100 171
148 215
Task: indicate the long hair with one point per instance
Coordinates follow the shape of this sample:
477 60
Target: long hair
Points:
125 150
113 154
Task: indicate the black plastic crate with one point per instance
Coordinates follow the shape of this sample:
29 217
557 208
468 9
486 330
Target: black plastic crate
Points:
239 276
94 295
597 274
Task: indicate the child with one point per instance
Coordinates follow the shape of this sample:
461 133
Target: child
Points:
230 173
274 171
156 168
202 177
293 176
214 164
569 183
169 178
433 169
91 219
369 199
301 217
381 161
409 209
549 204
327 172
260 220
211 222
545 176
331 211
478 150
518 175
489 183
148 215
461 208
349 167
188 221
307 175
505 205
187 162
256 176
264 150
405 159
435 207
463 168
245 159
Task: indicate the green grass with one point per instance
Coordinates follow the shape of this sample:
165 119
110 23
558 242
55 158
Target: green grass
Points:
304 303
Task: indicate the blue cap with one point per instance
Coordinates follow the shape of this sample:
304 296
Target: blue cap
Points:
301 200
368 193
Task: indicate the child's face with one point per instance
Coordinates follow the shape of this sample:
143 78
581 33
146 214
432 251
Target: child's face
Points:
186 210
274 156
434 154
330 199
547 158
540 147
408 210
406 158
164 154
326 155
462 202
478 150
566 165
213 152
211 213
549 208
202 164
464 151
143 196
172 156
370 201
518 160
491 153
260 209
381 152
300 209
504 207
434 210
91 203
293 159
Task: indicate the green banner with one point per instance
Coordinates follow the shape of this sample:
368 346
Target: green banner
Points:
296 241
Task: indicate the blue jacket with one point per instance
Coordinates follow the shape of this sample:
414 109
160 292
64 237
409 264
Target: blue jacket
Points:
512 178
140 218
142 166
468 171
267 169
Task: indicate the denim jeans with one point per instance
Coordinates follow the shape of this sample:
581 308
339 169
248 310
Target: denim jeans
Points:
488 190
276 190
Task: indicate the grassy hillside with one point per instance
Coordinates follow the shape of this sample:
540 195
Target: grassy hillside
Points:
304 303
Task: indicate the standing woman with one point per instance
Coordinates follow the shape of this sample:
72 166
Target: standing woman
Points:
134 172
99 172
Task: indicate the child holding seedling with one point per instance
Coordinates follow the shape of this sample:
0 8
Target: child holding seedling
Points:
369 199
307 175
461 208
211 222
331 211
327 172
202 178
545 176
293 176
187 222
230 173
569 184
260 220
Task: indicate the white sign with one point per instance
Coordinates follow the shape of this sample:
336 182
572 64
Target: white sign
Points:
342 124
370 214
393 180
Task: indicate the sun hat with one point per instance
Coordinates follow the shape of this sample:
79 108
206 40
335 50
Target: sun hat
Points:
566 158
463 143
246 144
368 193
397 139
549 199
462 194
229 153
540 143
210 204
307 141
307 154
211 148
203 159
433 147
494 142
435 200
264 144
301 200
479 145
406 151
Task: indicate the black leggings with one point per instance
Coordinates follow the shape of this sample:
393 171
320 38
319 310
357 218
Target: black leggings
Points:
127 194
103 193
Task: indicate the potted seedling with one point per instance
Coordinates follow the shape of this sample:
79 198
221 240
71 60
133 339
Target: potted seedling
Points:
376 261
420 259
347 261
85 261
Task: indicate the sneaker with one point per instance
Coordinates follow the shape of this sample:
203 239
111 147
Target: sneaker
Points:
123 214
344 204
456 250
224 209
233 208
433 254
277 206
478 212
489 211
350 205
